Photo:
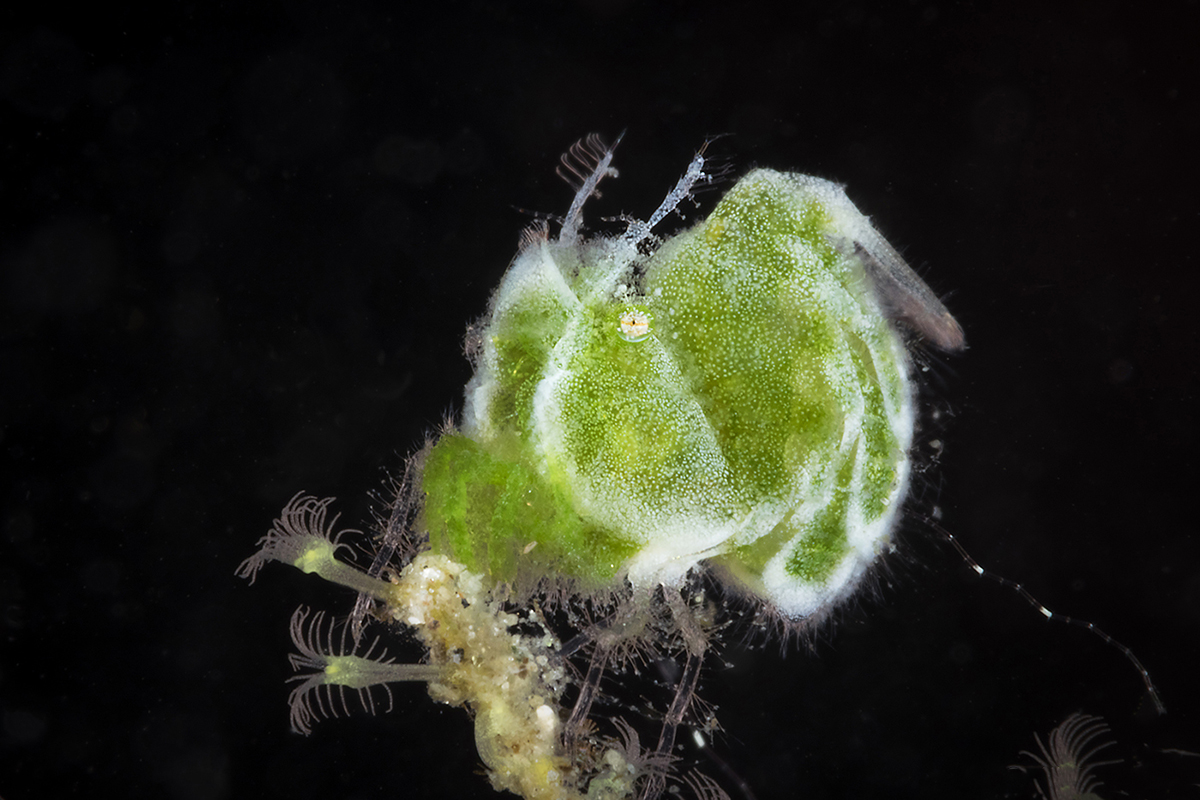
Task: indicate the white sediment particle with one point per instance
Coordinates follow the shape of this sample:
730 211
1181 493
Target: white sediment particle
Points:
547 717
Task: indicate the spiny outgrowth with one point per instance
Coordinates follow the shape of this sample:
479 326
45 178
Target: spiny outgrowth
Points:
302 538
336 668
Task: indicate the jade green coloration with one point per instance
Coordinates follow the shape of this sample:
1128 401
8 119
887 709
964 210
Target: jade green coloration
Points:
481 491
737 397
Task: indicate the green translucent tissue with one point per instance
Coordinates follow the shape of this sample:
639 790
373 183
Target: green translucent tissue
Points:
738 397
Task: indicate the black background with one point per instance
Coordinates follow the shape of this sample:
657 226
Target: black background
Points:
239 249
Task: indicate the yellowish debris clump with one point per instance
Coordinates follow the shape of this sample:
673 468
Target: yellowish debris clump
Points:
512 681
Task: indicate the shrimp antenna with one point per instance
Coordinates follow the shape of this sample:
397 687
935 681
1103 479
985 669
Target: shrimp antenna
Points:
584 165
693 175
1048 614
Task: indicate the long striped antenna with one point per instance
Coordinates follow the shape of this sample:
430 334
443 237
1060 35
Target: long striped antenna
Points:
1051 615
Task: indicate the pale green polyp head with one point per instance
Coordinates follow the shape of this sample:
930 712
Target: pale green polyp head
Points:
737 397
